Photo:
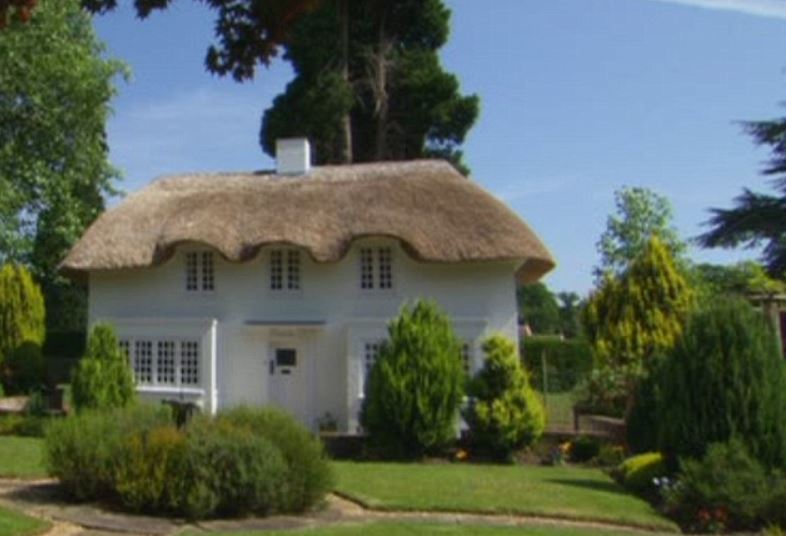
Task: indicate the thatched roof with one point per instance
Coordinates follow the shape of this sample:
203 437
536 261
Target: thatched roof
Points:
436 214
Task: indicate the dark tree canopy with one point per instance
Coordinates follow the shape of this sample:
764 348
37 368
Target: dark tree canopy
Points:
539 309
401 103
757 218
369 84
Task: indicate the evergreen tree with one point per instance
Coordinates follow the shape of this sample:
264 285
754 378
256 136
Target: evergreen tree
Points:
22 316
416 385
400 103
725 379
103 378
758 218
505 414
640 313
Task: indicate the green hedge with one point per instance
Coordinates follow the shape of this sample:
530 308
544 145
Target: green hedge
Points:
567 362
245 461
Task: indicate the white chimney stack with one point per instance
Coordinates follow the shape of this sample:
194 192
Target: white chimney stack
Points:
293 156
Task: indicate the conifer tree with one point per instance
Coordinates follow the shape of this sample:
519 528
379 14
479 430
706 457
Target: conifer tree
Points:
103 378
505 413
640 313
726 378
416 385
22 316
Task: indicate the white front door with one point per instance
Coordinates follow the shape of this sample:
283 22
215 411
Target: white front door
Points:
287 375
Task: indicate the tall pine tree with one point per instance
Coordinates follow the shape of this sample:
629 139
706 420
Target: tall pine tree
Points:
386 77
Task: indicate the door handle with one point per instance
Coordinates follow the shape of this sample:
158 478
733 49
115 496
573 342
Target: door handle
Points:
272 367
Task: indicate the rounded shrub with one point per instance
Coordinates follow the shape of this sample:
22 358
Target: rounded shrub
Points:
235 471
726 489
309 476
638 473
416 385
504 413
103 378
147 461
725 378
84 450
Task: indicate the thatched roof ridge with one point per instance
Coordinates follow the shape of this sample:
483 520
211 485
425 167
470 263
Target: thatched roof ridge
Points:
438 215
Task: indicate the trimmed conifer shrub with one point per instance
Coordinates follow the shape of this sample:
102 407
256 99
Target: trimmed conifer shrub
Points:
22 317
504 414
416 385
642 312
725 378
103 378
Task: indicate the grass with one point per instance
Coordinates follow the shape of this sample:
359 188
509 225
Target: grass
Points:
559 408
16 524
425 529
21 457
563 492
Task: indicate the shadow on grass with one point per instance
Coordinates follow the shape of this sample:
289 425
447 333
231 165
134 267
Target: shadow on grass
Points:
593 485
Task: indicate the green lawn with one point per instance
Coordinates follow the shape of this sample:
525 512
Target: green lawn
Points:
425 529
559 408
16 524
21 457
567 492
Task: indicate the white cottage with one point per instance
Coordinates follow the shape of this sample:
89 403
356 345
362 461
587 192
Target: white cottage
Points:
276 287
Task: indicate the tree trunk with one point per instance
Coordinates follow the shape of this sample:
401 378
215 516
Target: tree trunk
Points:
380 90
346 142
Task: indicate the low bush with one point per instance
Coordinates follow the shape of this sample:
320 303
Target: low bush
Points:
244 462
146 465
638 473
309 476
584 449
15 424
83 450
504 413
567 362
609 455
726 490
236 471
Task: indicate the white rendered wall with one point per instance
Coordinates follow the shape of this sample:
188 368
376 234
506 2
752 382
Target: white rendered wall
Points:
479 297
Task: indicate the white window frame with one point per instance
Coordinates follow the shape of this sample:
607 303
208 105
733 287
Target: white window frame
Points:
364 371
280 266
200 267
129 346
372 270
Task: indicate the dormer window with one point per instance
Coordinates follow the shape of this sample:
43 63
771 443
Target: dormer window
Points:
285 269
376 268
200 271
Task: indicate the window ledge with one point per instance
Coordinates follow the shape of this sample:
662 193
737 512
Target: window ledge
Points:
170 390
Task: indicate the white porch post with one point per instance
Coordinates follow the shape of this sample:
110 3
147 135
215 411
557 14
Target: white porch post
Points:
212 367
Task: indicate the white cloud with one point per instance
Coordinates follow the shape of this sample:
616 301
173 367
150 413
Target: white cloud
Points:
763 8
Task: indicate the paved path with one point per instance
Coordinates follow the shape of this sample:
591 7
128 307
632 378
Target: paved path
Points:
42 499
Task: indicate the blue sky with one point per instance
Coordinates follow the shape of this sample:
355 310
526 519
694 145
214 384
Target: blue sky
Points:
579 98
